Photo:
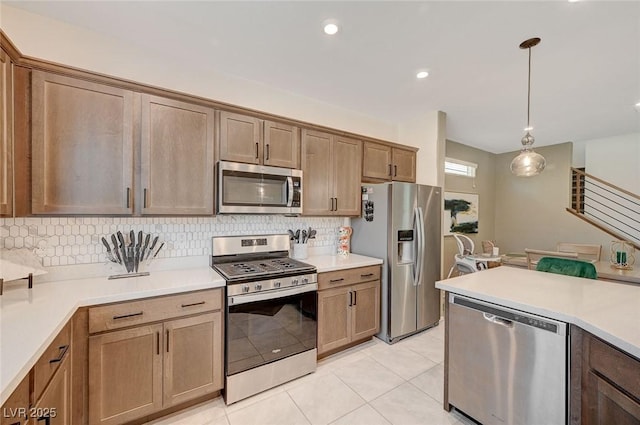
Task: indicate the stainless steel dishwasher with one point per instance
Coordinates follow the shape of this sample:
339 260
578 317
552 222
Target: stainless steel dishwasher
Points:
506 366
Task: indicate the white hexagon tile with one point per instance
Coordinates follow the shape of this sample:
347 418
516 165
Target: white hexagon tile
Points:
76 240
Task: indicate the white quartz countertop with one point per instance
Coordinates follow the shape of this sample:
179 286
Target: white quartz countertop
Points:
328 263
609 310
30 319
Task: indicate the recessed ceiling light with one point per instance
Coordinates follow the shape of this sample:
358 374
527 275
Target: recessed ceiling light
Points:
422 74
638 105
573 1
330 28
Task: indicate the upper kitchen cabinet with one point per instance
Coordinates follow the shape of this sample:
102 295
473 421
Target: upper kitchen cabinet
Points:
404 165
254 141
177 163
281 145
82 144
6 136
331 167
386 163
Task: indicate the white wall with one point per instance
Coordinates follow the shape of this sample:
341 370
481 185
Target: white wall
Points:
44 38
427 132
616 160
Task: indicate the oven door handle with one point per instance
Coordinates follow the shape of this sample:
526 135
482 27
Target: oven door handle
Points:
262 296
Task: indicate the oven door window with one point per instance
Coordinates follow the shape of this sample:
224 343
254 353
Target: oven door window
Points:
250 189
263 332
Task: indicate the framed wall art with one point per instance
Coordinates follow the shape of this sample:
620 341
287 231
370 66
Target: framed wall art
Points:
460 213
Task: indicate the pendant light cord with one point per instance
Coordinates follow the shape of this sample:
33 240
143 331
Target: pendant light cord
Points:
529 92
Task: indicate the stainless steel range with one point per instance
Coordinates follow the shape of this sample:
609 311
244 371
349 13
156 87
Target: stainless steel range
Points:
271 313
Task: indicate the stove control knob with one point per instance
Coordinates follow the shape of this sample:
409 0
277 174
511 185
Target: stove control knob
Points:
305 280
258 286
277 284
245 288
295 282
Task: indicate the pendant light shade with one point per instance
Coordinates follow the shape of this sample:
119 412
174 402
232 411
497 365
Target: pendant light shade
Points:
528 163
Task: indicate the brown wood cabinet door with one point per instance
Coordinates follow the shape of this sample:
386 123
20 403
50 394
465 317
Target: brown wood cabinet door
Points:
15 409
177 157
334 319
125 374
376 161
240 138
193 357
606 405
281 145
6 136
347 160
56 398
365 310
317 173
404 165
82 138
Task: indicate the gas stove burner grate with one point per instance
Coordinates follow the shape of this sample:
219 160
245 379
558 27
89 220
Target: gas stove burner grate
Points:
261 268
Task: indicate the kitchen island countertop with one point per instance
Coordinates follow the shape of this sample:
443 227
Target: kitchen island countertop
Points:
609 310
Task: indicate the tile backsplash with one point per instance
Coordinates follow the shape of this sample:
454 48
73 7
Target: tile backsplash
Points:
59 241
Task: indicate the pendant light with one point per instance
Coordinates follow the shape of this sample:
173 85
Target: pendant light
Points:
528 163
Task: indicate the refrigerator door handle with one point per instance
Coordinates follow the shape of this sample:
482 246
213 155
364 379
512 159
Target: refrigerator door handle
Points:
416 261
421 252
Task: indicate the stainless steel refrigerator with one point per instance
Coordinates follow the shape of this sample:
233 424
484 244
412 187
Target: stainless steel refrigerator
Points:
401 224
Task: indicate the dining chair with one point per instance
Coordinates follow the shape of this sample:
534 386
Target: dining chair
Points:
567 267
585 251
461 262
534 255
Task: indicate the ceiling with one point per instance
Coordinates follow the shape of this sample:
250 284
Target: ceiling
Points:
585 72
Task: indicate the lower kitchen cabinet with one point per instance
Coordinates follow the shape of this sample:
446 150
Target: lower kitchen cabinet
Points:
125 374
44 395
192 359
54 407
605 383
141 370
16 409
348 307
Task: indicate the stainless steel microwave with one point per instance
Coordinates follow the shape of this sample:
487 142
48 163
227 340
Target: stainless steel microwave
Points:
258 189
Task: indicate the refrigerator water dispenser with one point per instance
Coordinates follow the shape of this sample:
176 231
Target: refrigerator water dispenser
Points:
405 247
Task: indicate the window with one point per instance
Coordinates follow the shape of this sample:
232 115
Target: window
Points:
460 168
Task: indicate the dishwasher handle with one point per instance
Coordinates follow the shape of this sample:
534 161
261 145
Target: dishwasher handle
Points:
497 320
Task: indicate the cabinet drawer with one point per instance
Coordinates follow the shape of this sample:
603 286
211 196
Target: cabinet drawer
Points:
348 277
50 360
133 313
15 409
615 365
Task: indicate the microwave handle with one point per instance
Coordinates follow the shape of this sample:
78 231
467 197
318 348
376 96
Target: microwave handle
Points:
289 191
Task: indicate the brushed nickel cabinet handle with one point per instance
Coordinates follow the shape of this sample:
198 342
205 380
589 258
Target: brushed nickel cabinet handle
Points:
144 198
336 280
158 343
350 298
267 151
366 275
167 340
128 197
126 316
355 297
395 171
336 204
257 150
63 350
192 304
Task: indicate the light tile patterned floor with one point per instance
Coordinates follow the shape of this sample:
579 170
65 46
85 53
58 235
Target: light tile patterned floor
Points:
373 383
